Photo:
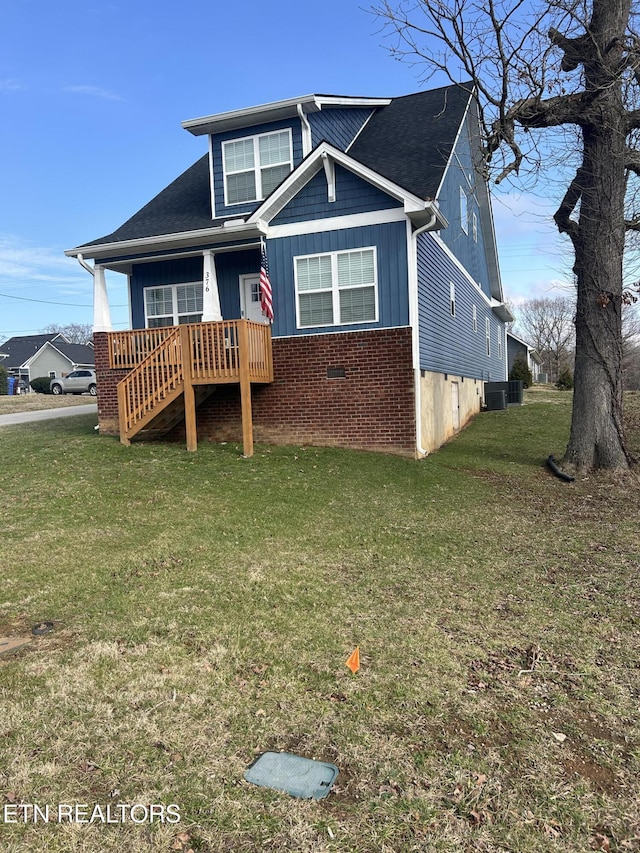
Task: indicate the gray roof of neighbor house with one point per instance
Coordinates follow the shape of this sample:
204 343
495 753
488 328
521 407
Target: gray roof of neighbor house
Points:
20 349
76 353
408 141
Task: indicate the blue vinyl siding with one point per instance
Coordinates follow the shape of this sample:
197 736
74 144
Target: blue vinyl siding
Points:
337 126
353 195
163 272
229 267
449 344
460 173
237 209
393 300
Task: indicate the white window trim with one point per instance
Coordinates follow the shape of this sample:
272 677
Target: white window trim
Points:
487 328
452 298
256 163
335 289
474 318
174 300
474 226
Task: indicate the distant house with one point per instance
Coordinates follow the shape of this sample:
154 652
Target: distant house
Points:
388 310
516 348
30 356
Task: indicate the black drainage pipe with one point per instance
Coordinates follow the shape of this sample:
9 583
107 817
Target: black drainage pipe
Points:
551 462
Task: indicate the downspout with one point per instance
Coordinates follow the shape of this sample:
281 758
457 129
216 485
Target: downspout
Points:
306 131
84 264
101 312
414 319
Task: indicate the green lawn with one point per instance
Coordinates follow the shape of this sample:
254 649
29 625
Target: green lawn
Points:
204 605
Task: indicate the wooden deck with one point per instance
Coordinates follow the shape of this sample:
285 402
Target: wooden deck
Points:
170 363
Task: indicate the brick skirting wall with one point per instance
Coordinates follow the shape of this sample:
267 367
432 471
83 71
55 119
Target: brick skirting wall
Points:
107 381
352 390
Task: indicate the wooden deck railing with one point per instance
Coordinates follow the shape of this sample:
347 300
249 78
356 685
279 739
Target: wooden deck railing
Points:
165 362
215 349
128 349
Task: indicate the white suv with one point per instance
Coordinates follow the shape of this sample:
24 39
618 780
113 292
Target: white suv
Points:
77 382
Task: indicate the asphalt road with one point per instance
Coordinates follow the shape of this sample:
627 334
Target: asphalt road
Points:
47 414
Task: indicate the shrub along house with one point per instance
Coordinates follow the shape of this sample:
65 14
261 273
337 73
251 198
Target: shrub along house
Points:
388 313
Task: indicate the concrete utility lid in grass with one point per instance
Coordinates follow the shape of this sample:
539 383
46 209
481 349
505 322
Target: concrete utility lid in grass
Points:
300 777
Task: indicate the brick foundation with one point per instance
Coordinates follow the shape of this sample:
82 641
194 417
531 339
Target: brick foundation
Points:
107 380
352 390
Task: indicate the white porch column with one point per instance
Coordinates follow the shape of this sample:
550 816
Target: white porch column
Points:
210 296
101 310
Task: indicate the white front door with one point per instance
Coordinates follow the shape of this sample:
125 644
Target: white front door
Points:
250 308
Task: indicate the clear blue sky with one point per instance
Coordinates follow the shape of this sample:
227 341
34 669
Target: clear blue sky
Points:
91 99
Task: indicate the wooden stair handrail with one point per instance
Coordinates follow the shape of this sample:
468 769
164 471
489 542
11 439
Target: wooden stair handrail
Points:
156 379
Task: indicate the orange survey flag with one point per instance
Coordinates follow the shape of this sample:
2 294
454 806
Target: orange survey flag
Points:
353 661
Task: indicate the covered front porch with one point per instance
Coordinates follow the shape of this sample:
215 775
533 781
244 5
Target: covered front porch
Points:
170 370
196 324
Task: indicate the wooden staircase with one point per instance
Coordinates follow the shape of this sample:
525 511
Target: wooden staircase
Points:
172 371
171 415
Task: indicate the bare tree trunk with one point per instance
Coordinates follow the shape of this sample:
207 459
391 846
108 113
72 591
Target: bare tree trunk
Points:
597 432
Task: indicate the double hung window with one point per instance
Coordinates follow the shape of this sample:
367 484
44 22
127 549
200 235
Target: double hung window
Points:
173 304
254 166
337 288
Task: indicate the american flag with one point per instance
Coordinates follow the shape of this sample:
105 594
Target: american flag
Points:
266 299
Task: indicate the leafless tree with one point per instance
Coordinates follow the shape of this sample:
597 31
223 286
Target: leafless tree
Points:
547 325
555 80
75 333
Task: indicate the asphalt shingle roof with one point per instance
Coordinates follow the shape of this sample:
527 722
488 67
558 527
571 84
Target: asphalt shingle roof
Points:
185 205
76 353
409 142
20 349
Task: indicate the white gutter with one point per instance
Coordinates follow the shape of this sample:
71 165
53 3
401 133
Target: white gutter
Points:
178 240
414 322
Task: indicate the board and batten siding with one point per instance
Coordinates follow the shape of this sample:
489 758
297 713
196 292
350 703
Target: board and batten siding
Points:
393 300
448 344
153 274
229 267
461 174
218 178
337 126
353 195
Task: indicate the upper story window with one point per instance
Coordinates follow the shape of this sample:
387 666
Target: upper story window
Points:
474 318
173 304
254 166
487 327
336 288
452 298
